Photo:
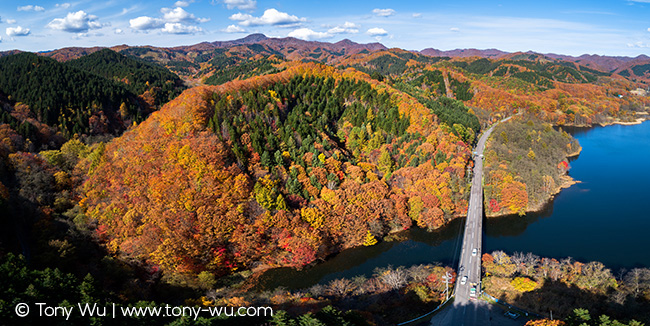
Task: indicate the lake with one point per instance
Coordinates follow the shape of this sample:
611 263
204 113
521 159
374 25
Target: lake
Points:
605 217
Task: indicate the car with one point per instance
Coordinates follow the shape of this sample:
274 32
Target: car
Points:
474 252
472 292
463 280
511 314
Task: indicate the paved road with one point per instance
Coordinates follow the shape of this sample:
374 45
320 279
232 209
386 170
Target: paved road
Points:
465 310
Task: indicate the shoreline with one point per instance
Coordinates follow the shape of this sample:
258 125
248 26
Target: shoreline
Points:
567 182
252 281
637 121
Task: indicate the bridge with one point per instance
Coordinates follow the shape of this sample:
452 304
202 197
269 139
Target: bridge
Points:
466 310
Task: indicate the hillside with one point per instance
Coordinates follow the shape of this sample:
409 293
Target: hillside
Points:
152 82
269 171
69 99
525 165
189 61
609 64
283 153
200 61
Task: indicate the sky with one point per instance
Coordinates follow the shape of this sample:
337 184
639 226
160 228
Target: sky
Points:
612 27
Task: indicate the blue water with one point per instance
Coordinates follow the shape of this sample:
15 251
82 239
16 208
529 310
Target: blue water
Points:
605 217
417 247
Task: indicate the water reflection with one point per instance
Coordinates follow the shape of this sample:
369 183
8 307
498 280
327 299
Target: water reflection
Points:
514 225
418 247
603 218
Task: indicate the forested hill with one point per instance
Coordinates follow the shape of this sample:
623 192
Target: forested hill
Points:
299 150
153 82
70 99
270 170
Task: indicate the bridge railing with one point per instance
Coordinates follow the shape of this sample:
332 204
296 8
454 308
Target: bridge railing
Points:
428 313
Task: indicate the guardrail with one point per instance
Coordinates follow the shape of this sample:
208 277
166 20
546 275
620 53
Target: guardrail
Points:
428 313
522 312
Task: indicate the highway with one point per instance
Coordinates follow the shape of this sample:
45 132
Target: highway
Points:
466 310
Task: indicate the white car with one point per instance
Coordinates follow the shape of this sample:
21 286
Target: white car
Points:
474 252
463 280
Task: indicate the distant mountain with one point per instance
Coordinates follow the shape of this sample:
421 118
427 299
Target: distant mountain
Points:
292 48
250 39
192 62
463 53
296 49
221 61
66 54
636 68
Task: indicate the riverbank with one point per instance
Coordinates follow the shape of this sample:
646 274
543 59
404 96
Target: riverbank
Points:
526 165
594 206
637 121
540 285
566 182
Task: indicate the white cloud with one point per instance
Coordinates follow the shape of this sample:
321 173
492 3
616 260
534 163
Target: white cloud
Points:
10 21
118 31
181 4
234 29
177 15
639 45
308 34
145 22
648 28
31 8
377 32
455 29
383 12
346 28
417 15
63 5
241 4
75 22
79 36
17 31
178 28
270 17
174 21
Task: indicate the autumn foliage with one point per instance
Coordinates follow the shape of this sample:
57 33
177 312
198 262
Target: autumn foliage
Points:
525 164
545 322
280 170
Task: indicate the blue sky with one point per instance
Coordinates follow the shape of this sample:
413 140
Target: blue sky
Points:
614 27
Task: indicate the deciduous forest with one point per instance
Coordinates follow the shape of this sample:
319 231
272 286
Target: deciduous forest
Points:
147 176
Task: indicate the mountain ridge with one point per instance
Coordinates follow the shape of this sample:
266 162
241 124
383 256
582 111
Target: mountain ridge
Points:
261 38
294 49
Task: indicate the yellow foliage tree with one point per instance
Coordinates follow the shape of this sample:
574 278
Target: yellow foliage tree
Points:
531 154
545 322
369 240
523 284
312 216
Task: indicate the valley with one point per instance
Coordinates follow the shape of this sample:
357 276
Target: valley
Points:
217 173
